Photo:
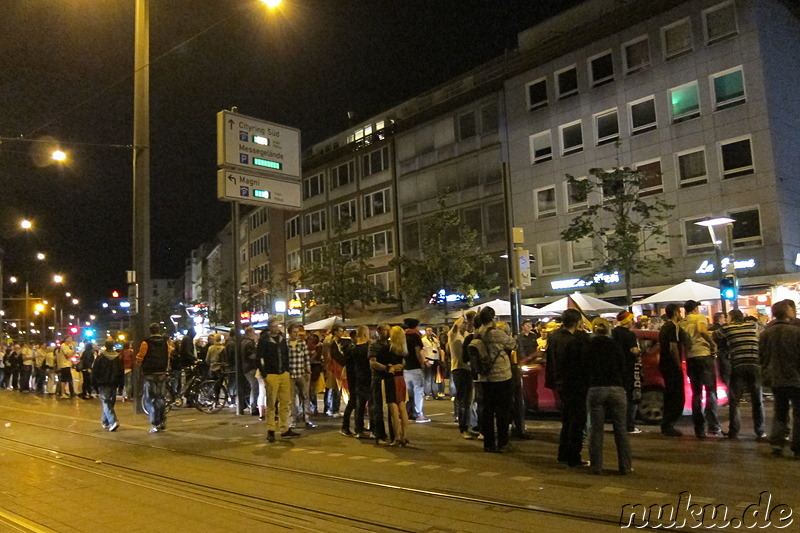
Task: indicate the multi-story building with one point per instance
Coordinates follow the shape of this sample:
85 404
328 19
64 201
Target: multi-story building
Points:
700 95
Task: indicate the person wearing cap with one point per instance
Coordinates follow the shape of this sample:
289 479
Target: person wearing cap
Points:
633 366
412 371
701 368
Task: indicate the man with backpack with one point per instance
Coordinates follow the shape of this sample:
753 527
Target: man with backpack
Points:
153 358
106 375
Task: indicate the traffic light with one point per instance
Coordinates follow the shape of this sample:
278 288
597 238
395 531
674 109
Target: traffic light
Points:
729 288
73 330
115 294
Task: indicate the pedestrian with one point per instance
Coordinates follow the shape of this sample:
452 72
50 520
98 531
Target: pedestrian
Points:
127 357
153 357
64 354
39 352
413 371
669 364
358 383
623 335
741 338
564 349
106 373
461 375
779 352
27 357
701 368
273 361
525 349
50 370
315 352
85 367
300 377
605 364
378 363
394 384
215 359
14 364
333 360
250 366
432 352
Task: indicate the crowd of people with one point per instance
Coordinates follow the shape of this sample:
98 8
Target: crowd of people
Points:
383 377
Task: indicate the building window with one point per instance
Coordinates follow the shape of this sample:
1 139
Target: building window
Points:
377 203
677 39
602 69
698 239
636 55
643 115
737 158
541 147
545 202
492 214
314 222
382 243
344 212
651 182
746 229
383 280
692 168
728 88
375 161
293 261
537 94
549 258
606 126
581 254
293 227
466 125
314 255
411 236
573 203
719 22
342 175
567 82
571 138
313 186
489 118
685 101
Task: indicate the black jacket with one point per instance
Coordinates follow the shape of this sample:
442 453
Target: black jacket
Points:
156 360
273 354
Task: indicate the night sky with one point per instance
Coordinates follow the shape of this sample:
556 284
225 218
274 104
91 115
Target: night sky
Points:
66 72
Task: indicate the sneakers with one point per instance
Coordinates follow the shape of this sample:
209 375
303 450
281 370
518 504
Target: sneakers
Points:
467 435
360 436
381 442
634 431
105 426
310 424
114 426
347 433
289 434
422 420
270 436
154 429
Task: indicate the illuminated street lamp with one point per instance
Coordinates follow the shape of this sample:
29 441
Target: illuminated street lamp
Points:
711 223
25 224
59 156
302 295
41 256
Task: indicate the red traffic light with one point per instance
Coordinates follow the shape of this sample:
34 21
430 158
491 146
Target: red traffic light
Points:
115 294
73 330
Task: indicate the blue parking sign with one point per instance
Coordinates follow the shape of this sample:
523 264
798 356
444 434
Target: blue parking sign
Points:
243 136
244 191
244 159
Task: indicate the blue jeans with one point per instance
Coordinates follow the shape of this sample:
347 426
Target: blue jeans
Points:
746 378
463 404
108 396
611 401
155 393
414 385
703 374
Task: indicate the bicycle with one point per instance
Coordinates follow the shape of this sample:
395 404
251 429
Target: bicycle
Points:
187 393
214 394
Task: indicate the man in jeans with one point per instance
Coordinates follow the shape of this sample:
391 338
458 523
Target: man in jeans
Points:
153 358
300 375
702 371
461 374
412 372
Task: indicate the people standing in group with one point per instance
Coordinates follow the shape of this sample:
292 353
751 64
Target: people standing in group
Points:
358 384
273 363
413 371
300 376
85 366
215 359
623 335
50 370
153 359
564 349
740 336
378 364
14 366
493 345
26 359
250 367
723 358
107 372
64 353
606 366
39 353
669 364
333 361
461 374
779 349
702 370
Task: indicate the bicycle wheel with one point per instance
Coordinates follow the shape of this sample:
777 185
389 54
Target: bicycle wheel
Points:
169 400
210 397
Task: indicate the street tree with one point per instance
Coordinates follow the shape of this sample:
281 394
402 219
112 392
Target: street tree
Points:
338 275
625 229
450 260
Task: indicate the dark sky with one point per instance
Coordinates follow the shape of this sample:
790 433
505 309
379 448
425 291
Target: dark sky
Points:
66 72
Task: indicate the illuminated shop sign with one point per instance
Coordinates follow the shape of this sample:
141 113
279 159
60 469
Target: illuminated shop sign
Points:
740 264
577 283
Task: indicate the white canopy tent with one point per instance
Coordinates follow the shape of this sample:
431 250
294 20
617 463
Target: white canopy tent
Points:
687 290
583 302
501 308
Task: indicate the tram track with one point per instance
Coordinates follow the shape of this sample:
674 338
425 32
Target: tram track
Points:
254 505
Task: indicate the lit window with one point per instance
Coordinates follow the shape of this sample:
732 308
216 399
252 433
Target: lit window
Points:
602 69
567 82
571 138
636 55
685 101
737 158
692 168
606 126
719 22
651 182
643 115
546 202
541 147
728 88
549 258
377 203
537 94
677 38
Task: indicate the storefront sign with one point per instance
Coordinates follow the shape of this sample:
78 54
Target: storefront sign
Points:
707 267
577 283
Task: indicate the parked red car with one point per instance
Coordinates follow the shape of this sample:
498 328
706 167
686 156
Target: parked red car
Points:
539 398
